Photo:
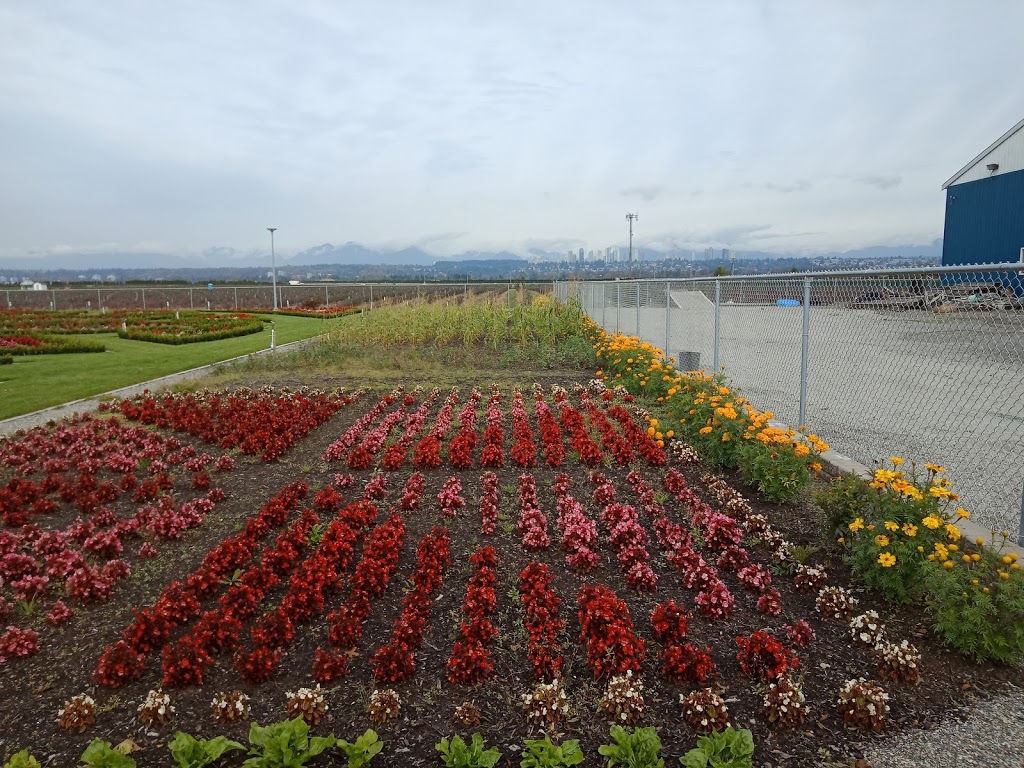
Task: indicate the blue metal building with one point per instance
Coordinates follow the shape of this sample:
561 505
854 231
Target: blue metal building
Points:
985 205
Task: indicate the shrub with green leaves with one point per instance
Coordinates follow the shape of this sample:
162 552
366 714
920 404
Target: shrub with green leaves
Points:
22 760
903 520
458 754
190 752
842 500
284 745
362 750
543 753
633 748
100 754
727 748
978 603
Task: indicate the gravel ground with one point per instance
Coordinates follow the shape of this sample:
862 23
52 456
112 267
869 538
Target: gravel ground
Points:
991 735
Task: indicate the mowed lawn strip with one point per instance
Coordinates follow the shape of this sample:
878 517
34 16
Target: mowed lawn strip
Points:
39 381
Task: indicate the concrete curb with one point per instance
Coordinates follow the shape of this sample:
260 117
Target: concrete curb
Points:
53 413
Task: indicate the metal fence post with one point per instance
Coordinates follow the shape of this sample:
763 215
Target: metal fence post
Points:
668 317
143 298
618 304
99 300
54 302
327 297
804 346
718 313
637 307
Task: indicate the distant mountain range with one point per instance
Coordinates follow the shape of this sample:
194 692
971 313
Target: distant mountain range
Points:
356 254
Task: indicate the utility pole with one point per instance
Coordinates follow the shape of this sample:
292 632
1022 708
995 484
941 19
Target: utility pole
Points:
273 266
631 217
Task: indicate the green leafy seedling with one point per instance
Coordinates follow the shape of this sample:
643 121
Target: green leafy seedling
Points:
542 753
728 748
99 754
636 748
190 752
22 760
363 750
284 745
458 754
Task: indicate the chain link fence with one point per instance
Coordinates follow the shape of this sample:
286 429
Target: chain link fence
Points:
260 297
926 364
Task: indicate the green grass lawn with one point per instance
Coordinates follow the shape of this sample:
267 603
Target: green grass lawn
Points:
39 381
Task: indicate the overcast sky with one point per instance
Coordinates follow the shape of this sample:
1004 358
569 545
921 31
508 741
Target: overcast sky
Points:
775 125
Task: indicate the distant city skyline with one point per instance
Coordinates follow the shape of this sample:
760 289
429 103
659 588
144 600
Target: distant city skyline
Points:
455 126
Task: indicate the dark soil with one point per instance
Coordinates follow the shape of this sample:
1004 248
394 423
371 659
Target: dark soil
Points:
33 690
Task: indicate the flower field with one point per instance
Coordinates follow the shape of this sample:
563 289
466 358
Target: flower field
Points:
429 563
164 327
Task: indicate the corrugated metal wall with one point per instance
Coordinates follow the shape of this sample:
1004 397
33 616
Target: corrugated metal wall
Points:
985 220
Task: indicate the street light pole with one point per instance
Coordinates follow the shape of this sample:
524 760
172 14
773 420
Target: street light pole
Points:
273 265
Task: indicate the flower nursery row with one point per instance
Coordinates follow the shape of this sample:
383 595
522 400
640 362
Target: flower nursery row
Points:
27 343
397 426
290 741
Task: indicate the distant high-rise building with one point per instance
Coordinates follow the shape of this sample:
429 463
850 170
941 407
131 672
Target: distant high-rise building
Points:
582 256
725 254
572 257
709 254
590 255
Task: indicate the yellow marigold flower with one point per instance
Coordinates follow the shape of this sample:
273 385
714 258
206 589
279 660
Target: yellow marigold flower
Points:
891 526
966 558
725 437
896 460
931 522
961 512
952 532
985 590
910 529
870 527
948 564
920 548
954 548
600 373
705 430
979 541
801 450
940 492
886 560
975 557
882 541
650 431
815 466
653 422
934 468
857 524
670 433
841 540
1003 574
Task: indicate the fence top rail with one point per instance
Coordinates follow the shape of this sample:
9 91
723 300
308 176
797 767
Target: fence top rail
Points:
955 269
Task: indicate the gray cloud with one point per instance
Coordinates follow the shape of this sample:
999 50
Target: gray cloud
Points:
647 192
884 181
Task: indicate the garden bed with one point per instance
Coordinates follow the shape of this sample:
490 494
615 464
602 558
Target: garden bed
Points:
344 451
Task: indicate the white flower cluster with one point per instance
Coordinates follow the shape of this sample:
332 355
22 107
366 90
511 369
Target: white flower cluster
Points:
682 453
835 602
596 386
783 703
705 710
156 710
385 705
900 662
623 702
864 703
867 628
307 703
228 707
78 714
809 578
547 705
